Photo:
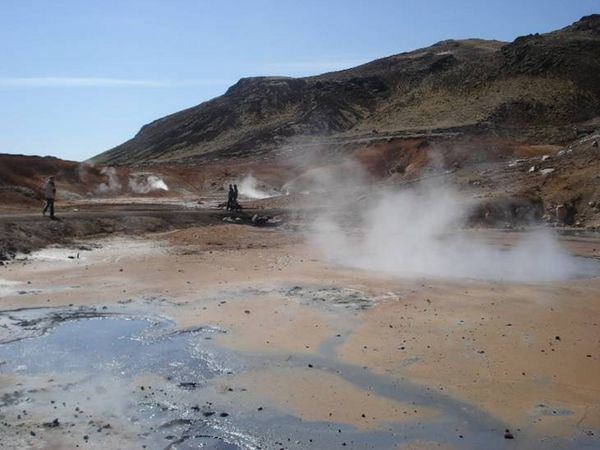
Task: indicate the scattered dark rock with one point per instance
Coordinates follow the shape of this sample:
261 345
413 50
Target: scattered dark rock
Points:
55 423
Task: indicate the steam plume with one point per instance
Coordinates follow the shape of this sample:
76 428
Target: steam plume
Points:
249 188
112 183
142 184
415 233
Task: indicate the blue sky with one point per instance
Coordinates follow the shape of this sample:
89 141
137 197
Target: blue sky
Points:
78 77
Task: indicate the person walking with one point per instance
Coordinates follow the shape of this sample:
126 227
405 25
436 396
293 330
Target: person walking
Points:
50 195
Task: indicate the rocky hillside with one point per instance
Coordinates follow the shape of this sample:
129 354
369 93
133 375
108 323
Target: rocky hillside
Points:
537 89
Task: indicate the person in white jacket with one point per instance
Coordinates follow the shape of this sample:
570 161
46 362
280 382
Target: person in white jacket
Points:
50 194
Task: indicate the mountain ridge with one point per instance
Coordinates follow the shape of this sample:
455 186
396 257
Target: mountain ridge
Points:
540 88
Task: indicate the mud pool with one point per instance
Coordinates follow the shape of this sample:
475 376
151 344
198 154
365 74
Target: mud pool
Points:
101 357
118 378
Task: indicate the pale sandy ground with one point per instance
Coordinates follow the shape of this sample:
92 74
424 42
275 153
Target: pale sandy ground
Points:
517 352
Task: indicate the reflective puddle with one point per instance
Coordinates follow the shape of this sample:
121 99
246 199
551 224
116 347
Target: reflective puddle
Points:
101 379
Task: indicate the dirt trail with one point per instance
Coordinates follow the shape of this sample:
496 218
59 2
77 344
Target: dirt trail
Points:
26 231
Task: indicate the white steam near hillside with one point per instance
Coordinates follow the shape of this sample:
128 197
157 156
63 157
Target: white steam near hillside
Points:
138 183
143 184
249 188
413 233
112 183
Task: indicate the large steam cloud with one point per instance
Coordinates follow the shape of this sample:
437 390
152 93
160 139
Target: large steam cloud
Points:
415 233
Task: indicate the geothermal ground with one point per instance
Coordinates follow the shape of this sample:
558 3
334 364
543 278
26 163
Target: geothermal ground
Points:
229 336
417 264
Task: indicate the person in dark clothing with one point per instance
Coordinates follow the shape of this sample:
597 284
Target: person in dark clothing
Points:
235 197
230 198
50 195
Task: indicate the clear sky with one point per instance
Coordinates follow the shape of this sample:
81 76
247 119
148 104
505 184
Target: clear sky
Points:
78 77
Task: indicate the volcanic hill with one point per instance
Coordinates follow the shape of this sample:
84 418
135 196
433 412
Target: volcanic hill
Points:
539 89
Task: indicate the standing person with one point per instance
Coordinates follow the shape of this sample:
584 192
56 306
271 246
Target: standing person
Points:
230 198
236 205
50 194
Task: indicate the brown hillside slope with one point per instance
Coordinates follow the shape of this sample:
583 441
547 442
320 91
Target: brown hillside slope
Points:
537 89
22 178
